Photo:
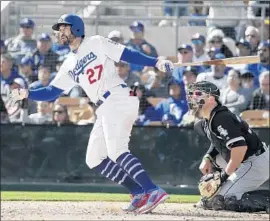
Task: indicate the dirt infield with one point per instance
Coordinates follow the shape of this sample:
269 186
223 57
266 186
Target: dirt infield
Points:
40 210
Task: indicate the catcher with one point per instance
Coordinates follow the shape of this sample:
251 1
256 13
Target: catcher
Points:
233 187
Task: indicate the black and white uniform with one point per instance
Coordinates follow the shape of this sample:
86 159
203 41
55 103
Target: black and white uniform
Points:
225 131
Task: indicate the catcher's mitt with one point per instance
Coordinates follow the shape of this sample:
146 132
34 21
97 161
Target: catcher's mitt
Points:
209 184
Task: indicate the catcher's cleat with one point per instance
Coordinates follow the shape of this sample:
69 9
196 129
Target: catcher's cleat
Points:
156 197
137 201
203 204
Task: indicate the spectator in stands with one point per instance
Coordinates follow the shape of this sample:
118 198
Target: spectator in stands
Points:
247 83
171 10
260 99
59 48
60 115
252 35
43 115
264 54
243 48
189 76
123 69
216 39
226 9
138 42
158 83
8 74
147 111
26 70
198 43
234 96
198 12
3 48
44 78
24 43
44 55
185 54
216 75
171 110
116 36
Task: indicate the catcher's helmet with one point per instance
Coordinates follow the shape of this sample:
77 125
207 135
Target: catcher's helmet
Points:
206 87
196 94
76 23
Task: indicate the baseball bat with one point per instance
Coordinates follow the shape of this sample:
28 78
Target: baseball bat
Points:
225 61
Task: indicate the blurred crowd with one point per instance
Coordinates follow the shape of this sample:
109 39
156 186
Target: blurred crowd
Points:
29 62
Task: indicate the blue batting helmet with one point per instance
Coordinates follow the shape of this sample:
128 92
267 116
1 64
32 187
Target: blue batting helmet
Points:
76 23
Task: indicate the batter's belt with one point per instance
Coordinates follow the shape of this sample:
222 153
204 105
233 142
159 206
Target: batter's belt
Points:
107 94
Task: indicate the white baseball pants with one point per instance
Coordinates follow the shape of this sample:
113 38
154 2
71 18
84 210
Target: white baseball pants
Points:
111 132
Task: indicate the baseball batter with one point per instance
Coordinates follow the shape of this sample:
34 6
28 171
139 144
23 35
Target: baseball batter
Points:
91 65
247 157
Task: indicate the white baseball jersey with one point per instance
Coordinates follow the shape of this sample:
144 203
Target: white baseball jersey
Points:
92 67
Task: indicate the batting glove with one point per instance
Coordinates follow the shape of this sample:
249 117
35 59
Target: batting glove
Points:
164 65
18 94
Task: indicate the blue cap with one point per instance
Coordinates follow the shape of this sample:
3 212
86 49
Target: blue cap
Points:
44 37
244 42
198 36
265 44
185 46
137 26
27 23
219 56
27 61
247 73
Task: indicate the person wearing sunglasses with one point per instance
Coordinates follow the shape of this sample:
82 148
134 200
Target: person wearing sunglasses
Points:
198 43
185 54
217 39
231 138
60 115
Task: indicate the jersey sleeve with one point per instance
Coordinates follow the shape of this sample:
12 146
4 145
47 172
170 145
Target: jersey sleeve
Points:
63 80
228 129
112 50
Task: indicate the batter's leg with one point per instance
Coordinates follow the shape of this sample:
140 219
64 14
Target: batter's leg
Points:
117 126
97 158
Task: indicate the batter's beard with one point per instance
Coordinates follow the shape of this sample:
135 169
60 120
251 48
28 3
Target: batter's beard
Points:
67 40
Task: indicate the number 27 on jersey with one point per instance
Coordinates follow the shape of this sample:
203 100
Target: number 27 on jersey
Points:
94 74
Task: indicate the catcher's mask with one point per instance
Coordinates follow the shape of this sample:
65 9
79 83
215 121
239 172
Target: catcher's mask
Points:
198 92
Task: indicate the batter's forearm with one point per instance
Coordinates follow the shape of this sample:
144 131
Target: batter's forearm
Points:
45 93
135 57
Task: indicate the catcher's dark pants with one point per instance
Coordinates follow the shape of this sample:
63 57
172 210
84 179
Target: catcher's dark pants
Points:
252 173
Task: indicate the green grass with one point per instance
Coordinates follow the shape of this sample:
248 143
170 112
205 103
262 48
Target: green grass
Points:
62 196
